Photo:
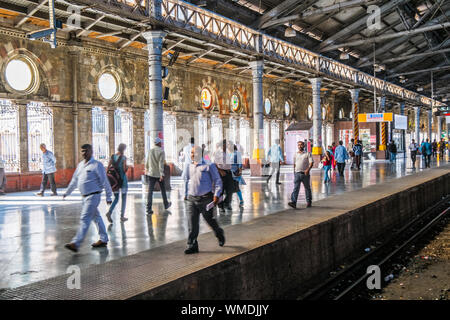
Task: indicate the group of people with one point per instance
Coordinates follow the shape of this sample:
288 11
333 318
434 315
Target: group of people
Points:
427 150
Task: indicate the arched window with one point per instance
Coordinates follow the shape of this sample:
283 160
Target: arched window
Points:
216 132
203 131
123 132
267 106
324 113
244 137
232 132
287 109
170 134
9 136
100 135
275 131
310 112
206 98
40 130
235 103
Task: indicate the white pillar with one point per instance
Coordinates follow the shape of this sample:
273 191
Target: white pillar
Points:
154 44
417 113
430 116
258 115
317 116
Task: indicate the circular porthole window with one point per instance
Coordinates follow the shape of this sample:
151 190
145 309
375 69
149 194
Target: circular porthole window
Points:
287 109
108 86
235 103
310 112
267 105
21 75
206 98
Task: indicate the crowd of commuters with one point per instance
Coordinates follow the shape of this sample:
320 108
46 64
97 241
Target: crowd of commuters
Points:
210 179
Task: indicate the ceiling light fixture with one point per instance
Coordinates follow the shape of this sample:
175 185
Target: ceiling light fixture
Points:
289 32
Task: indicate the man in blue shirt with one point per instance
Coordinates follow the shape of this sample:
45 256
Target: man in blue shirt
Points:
340 154
426 150
358 151
204 187
90 178
275 156
48 171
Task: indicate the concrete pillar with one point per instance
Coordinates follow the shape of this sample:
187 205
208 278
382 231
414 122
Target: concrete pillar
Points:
430 117
258 115
439 128
74 53
417 123
355 107
154 45
317 116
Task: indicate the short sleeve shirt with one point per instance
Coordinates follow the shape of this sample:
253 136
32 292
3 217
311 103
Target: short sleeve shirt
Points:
302 161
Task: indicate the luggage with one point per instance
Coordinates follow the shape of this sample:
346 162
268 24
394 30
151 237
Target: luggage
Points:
113 174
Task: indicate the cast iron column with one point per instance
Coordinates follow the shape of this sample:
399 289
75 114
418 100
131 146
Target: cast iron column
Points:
355 107
258 116
417 113
154 44
430 117
317 116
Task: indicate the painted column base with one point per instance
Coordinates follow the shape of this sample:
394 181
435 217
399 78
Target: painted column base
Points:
382 147
317 151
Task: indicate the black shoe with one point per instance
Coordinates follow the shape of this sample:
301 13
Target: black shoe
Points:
71 247
99 244
185 198
54 194
292 205
168 205
221 237
278 182
191 250
309 205
149 213
229 208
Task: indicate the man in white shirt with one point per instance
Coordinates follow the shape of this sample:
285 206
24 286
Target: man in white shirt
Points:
275 157
90 178
154 169
223 161
303 162
413 147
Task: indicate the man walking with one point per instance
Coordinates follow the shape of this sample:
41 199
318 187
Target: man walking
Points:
275 157
392 151
413 148
223 161
2 178
48 171
426 150
441 149
434 147
303 162
341 156
205 187
187 162
154 169
358 150
351 153
90 178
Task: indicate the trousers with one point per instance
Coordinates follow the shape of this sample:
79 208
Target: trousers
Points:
151 186
90 212
45 178
196 205
2 180
274 168
306 180
228 189
341 167
413 158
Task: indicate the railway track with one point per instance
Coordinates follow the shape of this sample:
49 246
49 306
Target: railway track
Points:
351 281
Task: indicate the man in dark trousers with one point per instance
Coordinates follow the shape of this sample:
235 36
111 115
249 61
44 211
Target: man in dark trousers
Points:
204 187
223 161
48 171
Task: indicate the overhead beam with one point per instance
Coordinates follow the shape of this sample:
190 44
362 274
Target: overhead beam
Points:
416 55
32 11
359 24
387 36
89 26
419 71
315 12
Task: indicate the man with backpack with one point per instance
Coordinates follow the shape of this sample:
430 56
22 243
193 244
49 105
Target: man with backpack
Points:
117 177
426 150
154 169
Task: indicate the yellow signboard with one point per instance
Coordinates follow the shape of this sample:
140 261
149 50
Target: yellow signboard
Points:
375 117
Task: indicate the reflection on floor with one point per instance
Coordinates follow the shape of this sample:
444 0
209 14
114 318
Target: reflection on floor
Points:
33 230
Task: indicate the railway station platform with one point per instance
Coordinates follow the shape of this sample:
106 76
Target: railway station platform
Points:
270 248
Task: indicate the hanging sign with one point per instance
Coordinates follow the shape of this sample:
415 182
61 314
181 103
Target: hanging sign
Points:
375 117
